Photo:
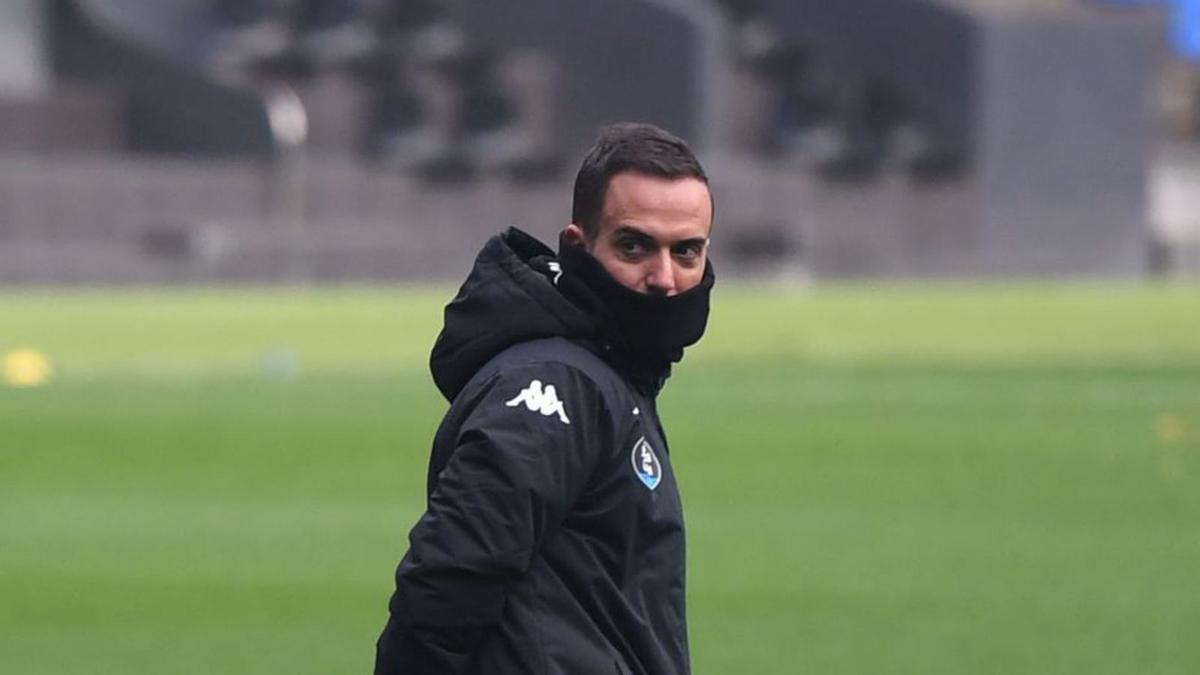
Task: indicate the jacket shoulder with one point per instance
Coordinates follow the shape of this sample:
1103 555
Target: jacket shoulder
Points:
557 350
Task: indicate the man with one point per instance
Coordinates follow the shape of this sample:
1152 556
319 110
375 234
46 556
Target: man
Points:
553 539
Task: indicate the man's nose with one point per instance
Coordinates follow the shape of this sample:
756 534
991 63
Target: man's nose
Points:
660 278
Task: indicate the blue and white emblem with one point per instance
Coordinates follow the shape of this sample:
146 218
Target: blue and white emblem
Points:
646 464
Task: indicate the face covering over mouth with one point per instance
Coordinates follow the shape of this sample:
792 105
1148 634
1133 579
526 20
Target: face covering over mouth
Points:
651 327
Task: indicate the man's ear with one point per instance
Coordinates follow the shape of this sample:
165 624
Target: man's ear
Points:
575 236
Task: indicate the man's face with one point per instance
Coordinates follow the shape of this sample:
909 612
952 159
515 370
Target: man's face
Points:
653 232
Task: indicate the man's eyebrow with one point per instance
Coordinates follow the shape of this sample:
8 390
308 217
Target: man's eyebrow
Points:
634 233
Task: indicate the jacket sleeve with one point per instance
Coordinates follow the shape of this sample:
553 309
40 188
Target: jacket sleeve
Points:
522 456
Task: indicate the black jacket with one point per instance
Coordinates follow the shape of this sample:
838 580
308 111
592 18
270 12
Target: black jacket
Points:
553 538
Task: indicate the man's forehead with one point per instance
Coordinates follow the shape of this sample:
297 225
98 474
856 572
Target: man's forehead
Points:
653 204
633 188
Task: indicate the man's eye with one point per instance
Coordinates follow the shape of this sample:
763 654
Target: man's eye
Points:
687 252
630 246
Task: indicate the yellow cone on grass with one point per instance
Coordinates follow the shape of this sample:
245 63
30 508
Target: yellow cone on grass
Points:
26 368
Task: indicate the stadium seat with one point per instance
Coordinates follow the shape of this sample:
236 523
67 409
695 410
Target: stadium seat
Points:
235 14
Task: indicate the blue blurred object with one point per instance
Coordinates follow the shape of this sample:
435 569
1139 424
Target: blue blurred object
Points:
1185 22
1185 28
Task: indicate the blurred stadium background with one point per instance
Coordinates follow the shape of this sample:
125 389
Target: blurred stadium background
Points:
334 140
947 418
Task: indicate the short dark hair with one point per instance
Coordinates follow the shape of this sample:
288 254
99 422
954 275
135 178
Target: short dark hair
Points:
641 148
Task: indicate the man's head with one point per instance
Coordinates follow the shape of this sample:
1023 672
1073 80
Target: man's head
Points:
643 209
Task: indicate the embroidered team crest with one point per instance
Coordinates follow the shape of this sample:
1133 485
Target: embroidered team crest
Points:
540 399
646 464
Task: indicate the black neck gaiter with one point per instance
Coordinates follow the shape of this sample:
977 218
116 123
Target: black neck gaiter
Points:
652 328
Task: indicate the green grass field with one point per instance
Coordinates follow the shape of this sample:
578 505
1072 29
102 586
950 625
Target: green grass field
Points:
921 479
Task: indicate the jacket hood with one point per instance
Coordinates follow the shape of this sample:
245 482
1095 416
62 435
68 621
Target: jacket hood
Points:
508 298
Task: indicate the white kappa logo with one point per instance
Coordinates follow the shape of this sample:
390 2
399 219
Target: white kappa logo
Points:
539 399
646 464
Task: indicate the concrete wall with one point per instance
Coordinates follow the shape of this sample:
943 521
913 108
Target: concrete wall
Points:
1064 136
24 68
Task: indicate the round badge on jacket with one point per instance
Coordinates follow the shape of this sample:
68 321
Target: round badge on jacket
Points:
646 463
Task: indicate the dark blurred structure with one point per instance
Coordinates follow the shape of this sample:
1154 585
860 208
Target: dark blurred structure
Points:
213 140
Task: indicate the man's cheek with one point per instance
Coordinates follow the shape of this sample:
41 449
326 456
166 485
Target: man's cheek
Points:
689 278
